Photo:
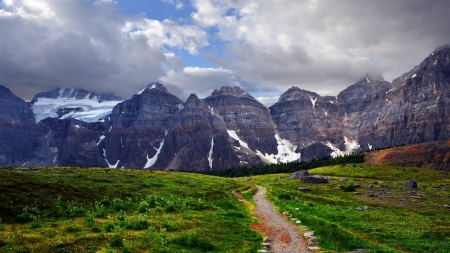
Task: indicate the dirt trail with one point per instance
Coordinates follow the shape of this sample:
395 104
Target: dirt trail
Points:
285 236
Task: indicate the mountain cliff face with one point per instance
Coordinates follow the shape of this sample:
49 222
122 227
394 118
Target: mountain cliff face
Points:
246 116
307 119
156 130
416 109
18 133
13 108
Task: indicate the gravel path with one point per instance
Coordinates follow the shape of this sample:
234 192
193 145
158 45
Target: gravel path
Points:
285 237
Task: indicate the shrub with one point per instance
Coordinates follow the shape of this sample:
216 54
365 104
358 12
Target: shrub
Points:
105 202
72 229
348 188
126 250
119 206
108 227
141 225
78 212
24 217
35 224
121 216
96 229
170 209
23 249
143 208
116 241
193 242
284 196
100 213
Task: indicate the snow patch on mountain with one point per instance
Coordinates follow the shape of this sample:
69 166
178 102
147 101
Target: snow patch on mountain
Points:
210 159
91 109
233 135
350 147
286 152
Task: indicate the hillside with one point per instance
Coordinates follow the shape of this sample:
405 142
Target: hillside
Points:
432 155
366 206
104 210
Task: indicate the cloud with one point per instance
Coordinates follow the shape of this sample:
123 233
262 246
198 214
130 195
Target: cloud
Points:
264 47
325 45
203 81
95 46
268 101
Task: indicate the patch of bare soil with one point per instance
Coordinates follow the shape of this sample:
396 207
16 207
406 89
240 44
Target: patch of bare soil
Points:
284 236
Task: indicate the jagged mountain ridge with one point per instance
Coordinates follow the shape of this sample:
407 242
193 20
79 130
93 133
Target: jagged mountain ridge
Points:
156 130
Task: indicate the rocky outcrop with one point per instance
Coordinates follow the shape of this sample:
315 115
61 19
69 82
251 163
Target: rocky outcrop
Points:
196 140
306 118
13 108
246 116
416 109
138 127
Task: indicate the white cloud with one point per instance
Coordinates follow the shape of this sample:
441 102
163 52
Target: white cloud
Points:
76 43
325 44
268 101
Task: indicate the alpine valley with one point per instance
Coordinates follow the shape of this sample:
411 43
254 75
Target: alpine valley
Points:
156 130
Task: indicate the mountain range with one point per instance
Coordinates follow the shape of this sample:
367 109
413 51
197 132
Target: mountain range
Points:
156 130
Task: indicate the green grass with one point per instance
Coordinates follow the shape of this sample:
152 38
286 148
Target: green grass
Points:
396 218
109 210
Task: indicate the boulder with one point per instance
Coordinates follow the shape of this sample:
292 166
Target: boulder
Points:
411 184
299 174
315 180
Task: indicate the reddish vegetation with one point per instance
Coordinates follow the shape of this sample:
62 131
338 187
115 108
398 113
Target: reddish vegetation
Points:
433 155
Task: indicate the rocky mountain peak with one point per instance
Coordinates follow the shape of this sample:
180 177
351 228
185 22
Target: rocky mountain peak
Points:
231 91
13 108
154 85
194 102
371 78
75 94
294 93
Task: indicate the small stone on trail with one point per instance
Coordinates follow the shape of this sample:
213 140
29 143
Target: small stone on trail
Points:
356 192
304 189
446 206
262 250
359 209
308 234
267 240
343 180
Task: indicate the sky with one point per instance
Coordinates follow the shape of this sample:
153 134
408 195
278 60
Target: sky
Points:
196 46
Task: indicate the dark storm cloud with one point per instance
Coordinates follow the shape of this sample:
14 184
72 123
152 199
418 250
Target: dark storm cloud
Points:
76 43
324 46
265 46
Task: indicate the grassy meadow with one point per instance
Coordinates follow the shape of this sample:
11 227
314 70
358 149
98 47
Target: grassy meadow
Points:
118 210
382 215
